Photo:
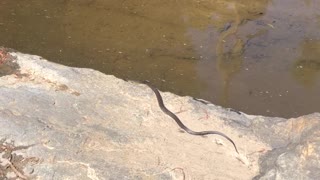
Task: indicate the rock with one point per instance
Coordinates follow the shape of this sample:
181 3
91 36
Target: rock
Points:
60 122
298 156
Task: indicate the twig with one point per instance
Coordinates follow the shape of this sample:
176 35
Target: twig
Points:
19 174
206 116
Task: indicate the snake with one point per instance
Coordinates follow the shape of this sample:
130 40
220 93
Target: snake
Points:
179 122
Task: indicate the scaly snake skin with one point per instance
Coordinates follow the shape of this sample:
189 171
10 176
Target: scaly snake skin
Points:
178 121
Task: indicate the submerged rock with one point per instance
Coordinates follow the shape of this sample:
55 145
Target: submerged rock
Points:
60 122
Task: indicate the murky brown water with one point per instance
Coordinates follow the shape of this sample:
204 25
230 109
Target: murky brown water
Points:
260 57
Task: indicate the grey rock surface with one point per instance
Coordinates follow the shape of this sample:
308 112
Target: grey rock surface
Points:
297 150
59 122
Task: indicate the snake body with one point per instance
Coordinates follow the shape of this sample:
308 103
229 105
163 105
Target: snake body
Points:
178 121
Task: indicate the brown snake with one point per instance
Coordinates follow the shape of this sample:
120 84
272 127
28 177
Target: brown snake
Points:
178 121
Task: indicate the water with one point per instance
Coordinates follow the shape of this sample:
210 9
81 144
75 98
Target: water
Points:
260 57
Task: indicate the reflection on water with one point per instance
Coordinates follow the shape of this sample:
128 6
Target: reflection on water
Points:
229 64
237 54
229 61
229 44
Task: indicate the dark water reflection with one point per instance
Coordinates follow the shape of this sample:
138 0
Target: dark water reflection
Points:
261 57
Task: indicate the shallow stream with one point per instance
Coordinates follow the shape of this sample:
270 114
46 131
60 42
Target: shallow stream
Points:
260 57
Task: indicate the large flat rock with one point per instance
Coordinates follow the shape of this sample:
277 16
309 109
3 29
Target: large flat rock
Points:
58 122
